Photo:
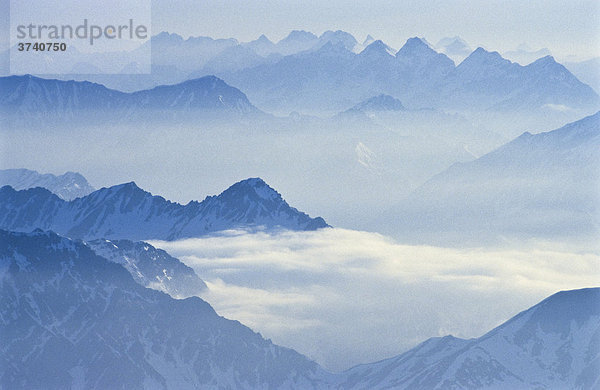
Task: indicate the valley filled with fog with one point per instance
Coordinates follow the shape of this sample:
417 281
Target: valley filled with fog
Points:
345 297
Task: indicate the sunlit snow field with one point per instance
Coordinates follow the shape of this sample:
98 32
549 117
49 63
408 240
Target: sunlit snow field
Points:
345 297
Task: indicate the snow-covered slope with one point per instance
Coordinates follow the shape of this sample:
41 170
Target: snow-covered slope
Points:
543 185
553 345
127 212
72 319
67 186
151 267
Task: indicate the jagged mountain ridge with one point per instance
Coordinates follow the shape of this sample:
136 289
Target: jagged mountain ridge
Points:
32 97
549 346
151 267
72 319
127 212
330 73
67 186
334 77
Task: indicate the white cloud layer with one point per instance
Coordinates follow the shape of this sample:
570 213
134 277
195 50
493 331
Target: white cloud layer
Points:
345 297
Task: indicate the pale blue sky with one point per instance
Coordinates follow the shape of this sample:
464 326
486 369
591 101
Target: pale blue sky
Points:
565 27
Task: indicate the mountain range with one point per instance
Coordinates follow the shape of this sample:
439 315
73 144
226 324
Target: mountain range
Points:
67 186
31 98
538 185
329 73
553 345
126 211
72 319
334 76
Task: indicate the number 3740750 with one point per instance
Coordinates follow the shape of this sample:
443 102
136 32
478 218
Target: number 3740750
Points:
41 46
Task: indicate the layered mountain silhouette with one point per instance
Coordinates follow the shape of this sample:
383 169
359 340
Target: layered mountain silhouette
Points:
334 77
541 185
29 97
127 212
72 319
67 186
332 72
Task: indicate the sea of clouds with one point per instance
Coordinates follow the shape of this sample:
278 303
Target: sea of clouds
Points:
346 297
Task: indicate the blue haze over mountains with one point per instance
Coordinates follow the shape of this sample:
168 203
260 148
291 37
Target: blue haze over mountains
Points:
453 113
333 72
408 142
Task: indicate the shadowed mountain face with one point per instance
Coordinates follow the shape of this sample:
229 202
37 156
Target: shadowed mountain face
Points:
553 345
67 186
72 319
127 212
542 185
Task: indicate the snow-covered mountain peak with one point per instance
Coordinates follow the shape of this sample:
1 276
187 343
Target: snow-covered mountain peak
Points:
556 313
68 186
151 267
252 187
552 345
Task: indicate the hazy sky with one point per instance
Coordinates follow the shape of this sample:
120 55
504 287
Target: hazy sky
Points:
565 27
